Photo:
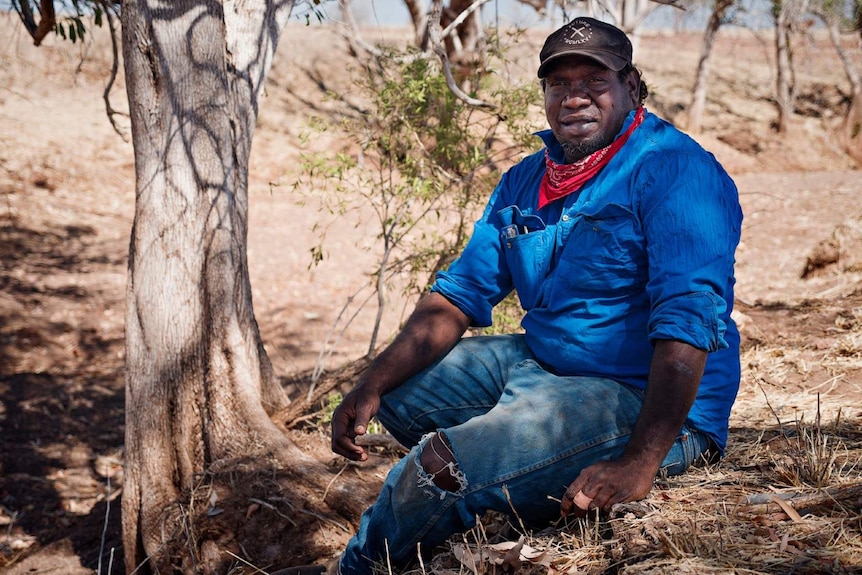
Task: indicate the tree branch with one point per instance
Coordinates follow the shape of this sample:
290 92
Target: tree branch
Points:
115 65
436 38
802 500
357 45
45 25
461 17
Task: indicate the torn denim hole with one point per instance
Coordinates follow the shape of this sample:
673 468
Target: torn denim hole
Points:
426 479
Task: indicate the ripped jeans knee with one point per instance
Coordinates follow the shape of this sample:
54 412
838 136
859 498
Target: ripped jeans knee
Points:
438 465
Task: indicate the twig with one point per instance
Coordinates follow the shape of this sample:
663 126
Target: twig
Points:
379 440
326 519
45 25
106 95
337 475
235 556
801 499
771 409
105 526
286 416
354 37
273 508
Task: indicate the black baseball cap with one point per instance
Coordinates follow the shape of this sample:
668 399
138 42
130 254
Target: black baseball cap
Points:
587 37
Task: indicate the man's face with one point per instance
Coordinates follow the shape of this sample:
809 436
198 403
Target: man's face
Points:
586 104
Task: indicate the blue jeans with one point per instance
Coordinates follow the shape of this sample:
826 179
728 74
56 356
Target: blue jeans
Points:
510 423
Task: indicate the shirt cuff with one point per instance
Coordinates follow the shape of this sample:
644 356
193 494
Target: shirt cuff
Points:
692 318
479 312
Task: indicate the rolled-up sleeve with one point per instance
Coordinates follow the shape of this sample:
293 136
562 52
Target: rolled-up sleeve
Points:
691 222
479 279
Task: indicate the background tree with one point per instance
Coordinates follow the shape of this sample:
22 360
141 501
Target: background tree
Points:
718 16
199 386
787 15
843 20
427 162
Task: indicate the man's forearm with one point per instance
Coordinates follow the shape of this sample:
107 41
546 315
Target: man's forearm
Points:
433 328
675 374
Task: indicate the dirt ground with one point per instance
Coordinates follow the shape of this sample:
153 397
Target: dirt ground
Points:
66 207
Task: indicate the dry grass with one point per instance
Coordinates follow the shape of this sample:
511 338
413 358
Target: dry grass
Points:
758 511
785 499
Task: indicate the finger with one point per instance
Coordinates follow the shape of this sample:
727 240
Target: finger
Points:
582 501
607 495
345 446
354 452
343 438
574 502
567 505
360 422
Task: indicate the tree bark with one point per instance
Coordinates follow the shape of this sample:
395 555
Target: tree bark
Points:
199 385
698 93
783 89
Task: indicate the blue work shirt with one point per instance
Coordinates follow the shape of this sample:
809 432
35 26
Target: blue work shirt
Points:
643 251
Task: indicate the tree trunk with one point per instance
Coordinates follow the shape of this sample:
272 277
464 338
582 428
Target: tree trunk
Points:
850 132
199 385
785 13
698 93
782 74
851 127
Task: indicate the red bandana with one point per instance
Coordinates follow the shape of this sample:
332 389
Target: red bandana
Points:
560 180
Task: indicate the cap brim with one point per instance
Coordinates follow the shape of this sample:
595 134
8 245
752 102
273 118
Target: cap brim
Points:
607 59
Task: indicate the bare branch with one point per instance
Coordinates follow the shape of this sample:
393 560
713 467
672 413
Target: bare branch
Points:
115 65
801 500
358 46
436 38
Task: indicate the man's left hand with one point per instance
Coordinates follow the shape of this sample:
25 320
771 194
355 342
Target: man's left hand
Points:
605 483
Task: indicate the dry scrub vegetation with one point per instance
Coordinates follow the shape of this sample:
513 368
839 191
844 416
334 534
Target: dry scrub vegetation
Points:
786 498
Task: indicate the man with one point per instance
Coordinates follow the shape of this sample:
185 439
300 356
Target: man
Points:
619 238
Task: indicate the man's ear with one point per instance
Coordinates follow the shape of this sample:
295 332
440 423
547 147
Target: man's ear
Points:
633 83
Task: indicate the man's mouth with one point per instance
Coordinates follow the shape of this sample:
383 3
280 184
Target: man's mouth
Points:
577 125
577 119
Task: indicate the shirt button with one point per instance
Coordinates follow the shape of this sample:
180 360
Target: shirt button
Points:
565 218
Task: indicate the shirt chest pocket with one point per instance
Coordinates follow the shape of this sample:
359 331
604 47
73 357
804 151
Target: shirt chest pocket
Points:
528 246
604 254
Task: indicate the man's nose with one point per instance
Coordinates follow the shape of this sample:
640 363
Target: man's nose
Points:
576 96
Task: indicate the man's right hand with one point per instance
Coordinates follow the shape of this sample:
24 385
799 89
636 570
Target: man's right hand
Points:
350 419
431 330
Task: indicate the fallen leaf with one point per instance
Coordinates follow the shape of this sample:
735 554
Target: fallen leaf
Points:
466 557
791 512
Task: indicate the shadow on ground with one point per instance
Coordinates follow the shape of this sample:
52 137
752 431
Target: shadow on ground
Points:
61 399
